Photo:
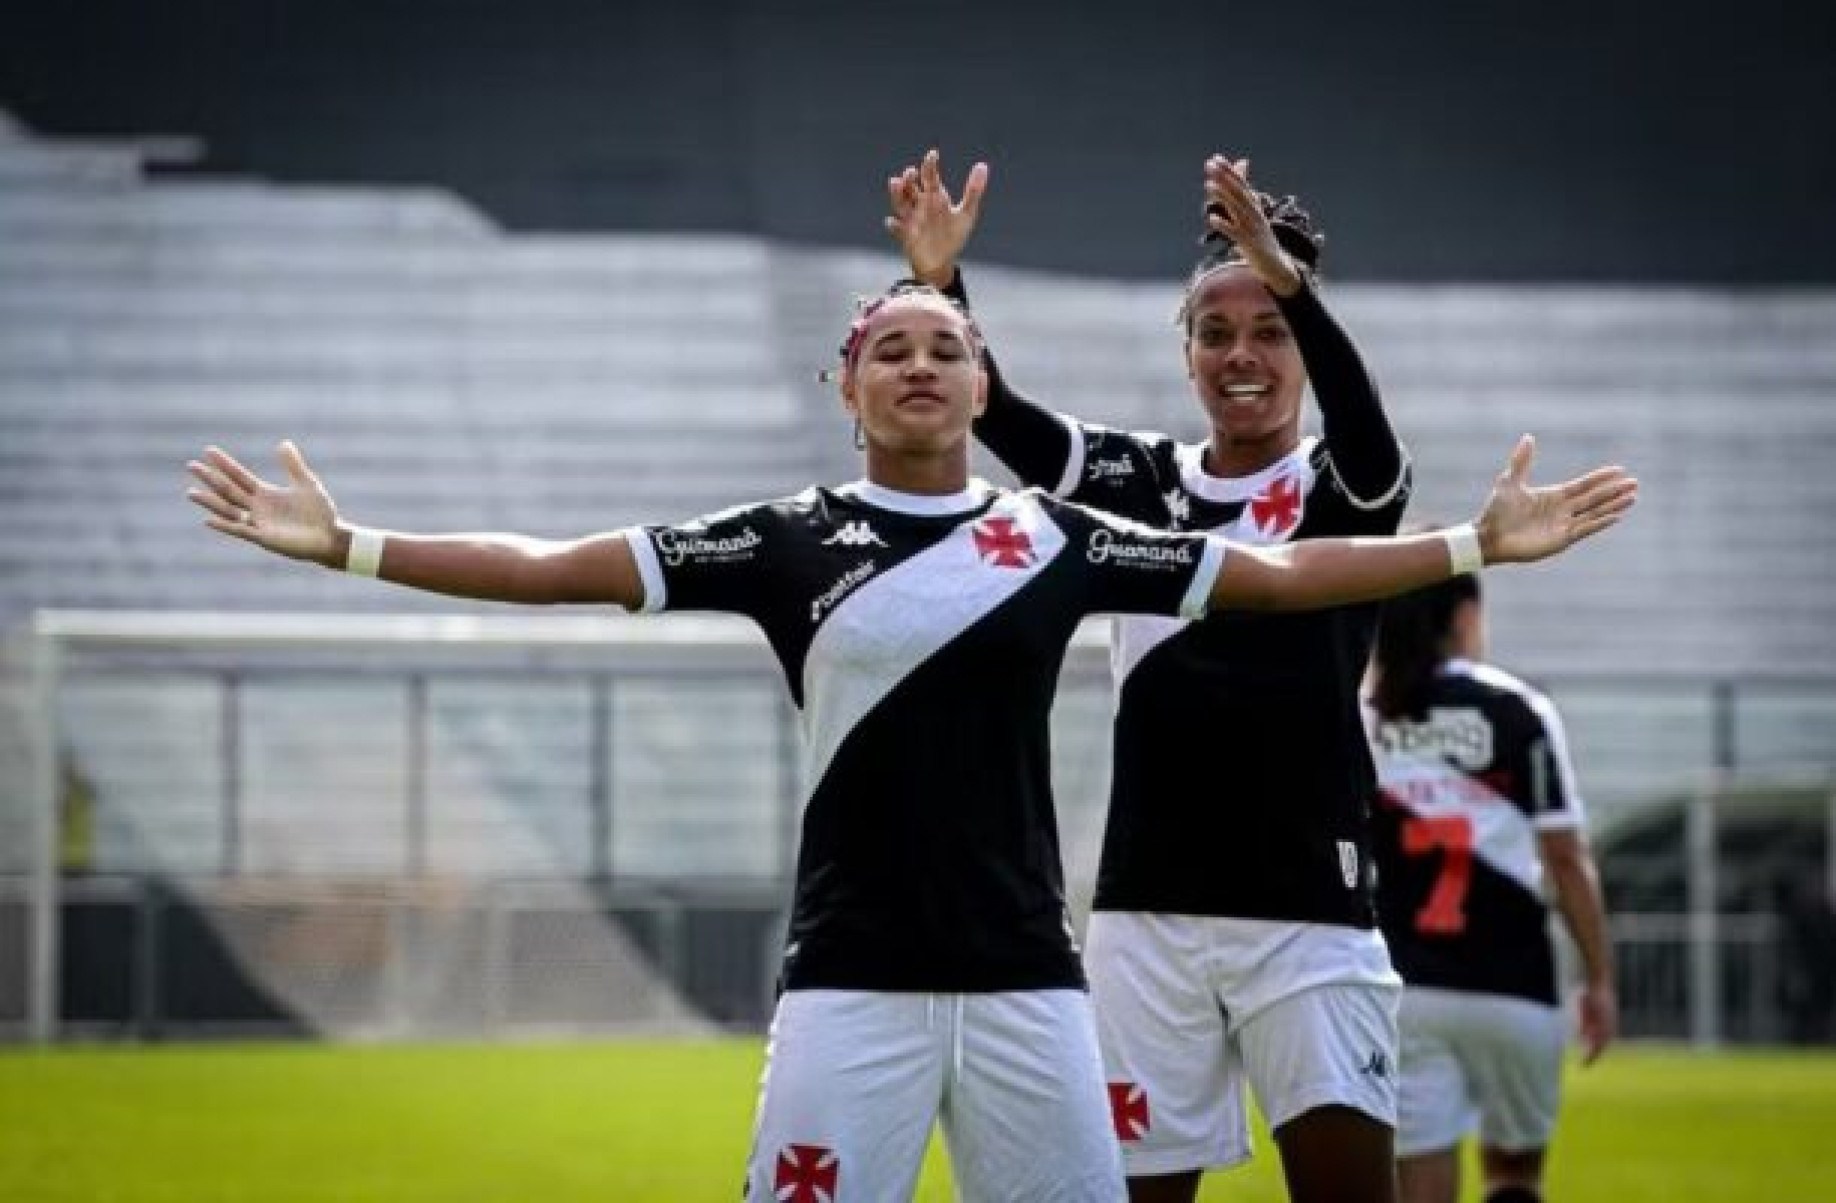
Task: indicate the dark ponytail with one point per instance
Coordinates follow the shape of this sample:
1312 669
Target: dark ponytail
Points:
1411 635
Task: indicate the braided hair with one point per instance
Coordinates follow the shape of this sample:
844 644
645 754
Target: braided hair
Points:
1294 229
866 307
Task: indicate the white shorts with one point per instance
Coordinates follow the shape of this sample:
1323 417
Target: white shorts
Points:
855 1079
1190 1006
1484 1062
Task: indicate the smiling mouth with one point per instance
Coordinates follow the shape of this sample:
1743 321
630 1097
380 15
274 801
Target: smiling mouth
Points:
1245 392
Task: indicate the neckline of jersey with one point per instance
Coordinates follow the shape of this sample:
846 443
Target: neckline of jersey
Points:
1201 483
879 496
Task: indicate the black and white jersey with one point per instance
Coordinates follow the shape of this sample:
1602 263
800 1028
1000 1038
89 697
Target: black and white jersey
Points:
1467 785
1241 781
922 638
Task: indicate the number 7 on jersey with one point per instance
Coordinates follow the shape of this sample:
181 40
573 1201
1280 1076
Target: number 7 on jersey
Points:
1444 913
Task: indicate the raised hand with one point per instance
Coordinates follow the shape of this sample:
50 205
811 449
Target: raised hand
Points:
930 226
1521 523
1231 210
297 519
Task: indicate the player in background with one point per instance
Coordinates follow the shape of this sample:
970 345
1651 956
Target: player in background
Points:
1480 816
1233 933
920 618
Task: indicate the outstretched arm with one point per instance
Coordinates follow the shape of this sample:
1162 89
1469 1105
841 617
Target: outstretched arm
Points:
1519 524
1366 457
299 520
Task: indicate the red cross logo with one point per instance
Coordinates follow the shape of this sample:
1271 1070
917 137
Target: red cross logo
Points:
1128 1107
1276 508
805 1174
998 543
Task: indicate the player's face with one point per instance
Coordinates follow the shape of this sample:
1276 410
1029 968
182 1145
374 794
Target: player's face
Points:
916 383
1241 356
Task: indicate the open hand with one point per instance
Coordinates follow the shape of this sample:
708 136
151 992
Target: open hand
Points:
297 519
930 226
1232 210
1521 523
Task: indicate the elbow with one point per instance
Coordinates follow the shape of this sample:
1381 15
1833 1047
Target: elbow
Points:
1572 876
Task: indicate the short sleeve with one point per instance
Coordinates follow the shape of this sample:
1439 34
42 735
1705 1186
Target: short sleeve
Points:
720 561
1118 472
1555 799
1129 568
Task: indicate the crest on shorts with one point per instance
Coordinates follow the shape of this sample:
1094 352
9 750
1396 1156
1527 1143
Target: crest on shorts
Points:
1348 863
1128 1107
806 1174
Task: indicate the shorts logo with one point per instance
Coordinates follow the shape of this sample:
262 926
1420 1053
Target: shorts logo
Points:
1128 1107
854 534
805 1174
1000 544
1377 1067
1348 863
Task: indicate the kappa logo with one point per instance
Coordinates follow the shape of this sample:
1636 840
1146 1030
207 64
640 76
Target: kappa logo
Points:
1109 469
675 546
854 534
806 1174
1001 544
1179 507
1128 1107
830 597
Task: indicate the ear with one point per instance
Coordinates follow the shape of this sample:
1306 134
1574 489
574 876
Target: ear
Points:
849 402
980 405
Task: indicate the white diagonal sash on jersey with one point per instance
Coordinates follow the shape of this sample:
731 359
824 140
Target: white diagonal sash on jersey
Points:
883 631
1429 788
1134 636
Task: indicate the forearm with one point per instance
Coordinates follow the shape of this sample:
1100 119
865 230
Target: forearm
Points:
1320 573
1583 910
1365 453
1033 441
502 567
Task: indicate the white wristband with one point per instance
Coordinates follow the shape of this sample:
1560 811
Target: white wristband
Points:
1463 549
365 556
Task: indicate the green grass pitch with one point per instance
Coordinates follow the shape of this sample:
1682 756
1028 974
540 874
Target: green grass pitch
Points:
636 1122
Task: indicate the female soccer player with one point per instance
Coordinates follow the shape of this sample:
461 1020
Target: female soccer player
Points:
1479 803
920 618
1233 931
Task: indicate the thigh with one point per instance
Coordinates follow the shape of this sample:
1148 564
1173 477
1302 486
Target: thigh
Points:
1326 1046
1512 1054
1433 1111
853 1082
1025 1112
1175 1086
